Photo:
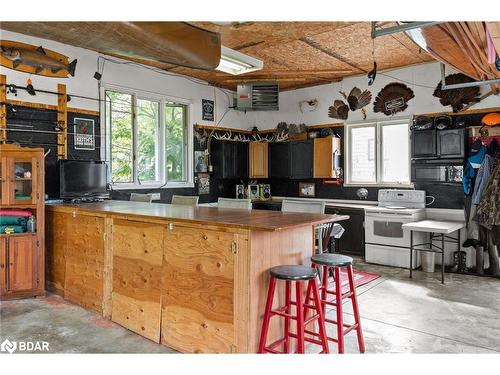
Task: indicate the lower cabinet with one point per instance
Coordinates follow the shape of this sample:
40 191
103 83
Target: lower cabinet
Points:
84 257
19 265
353 239
137 271
197 307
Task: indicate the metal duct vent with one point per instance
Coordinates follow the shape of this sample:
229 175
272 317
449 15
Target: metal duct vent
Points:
257 96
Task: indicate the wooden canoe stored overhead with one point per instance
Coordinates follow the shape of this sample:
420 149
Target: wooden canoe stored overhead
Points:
295 54
463 45
176 43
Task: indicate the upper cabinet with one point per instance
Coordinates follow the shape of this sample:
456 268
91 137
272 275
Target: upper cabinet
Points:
229 159
19 173
258 159
324 156
279 160
441 144
291 159
451 143
302 159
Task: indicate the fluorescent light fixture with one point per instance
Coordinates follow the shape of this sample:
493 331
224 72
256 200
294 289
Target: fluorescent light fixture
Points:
234 62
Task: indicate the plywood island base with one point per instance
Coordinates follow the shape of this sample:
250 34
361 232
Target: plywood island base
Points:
195 287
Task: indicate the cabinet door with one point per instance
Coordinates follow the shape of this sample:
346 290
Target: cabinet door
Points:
137 272
241 159
451 143
83 276
23 173
4 182
258 154
21 254
3 265
302 159
198 290
423 144
324 149
279 160
353 239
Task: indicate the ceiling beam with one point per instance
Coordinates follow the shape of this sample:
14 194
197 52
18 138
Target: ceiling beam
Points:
319 47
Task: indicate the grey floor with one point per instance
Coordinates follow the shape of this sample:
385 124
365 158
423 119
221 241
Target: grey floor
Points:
399 315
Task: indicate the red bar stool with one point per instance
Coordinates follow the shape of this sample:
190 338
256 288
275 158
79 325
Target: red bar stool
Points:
297 274
334 262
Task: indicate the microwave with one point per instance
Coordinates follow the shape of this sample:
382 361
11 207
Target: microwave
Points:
437 172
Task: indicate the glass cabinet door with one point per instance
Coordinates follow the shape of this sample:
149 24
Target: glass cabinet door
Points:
23 181
4 194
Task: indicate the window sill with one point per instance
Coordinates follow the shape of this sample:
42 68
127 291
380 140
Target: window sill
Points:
379 185
171 185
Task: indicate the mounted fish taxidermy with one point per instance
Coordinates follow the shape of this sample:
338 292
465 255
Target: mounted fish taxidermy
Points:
393 98
457 98
338 110
35 60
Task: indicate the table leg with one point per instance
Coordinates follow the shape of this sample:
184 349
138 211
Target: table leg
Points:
442 258
411 254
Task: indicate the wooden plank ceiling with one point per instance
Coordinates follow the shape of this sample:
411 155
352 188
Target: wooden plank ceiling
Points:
296 54
302 54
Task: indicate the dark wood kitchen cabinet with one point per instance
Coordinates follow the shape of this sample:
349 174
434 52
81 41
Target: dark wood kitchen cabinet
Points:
423 144
302 159
229 159
440 144
279 160
353 239
291 159
451 143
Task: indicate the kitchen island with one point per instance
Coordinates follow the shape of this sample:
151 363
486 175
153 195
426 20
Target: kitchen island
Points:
193 279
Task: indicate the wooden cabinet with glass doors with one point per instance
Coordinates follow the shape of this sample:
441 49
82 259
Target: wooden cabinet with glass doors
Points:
22 194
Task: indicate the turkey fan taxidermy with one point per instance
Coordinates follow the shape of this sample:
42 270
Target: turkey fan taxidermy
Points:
358 99
457 98
393 98
338 110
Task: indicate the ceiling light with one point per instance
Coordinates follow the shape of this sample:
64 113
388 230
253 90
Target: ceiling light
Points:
234 62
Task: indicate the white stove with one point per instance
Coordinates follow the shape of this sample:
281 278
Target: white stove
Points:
386 242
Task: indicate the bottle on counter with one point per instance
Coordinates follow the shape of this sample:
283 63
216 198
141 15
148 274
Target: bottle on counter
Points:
31 224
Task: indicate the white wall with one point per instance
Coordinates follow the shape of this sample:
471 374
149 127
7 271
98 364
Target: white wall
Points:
121 75
423 102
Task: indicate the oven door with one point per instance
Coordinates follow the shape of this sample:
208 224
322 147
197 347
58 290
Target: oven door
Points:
386 228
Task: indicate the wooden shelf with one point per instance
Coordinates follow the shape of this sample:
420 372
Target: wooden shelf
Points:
18 234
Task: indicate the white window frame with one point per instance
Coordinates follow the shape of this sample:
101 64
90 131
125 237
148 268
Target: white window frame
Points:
161 138
378 153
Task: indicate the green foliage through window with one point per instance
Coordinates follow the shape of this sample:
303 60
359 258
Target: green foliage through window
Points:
135 137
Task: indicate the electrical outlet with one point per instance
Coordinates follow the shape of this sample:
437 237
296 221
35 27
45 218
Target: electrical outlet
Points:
156 196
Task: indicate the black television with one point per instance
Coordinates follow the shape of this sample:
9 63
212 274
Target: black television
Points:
83 179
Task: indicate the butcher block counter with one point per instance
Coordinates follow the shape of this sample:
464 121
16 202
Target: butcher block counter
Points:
193 279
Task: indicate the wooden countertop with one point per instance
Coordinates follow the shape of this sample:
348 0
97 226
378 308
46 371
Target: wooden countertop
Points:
262 220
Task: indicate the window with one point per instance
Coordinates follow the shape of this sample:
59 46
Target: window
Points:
378 153
148 142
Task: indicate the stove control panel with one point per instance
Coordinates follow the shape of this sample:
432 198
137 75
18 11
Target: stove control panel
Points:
400 197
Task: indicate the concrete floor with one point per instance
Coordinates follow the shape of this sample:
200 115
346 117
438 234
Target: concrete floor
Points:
399 315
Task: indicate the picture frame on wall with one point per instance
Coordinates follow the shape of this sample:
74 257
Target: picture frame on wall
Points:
84 137
307 189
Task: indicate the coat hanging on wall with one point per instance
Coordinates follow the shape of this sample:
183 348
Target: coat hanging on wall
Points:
338 110
457 98
393 98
